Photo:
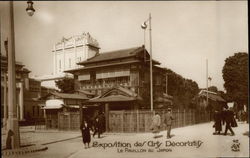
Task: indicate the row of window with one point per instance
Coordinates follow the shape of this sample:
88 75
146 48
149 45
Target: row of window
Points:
70 63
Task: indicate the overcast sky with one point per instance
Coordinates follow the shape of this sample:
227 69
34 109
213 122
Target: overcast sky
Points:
184 34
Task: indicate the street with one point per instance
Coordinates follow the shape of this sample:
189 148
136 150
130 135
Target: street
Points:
190 141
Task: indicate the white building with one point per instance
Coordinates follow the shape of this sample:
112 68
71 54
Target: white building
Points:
66 54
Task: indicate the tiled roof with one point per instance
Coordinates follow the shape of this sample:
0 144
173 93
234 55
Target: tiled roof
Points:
122 89
113 98
70 96
106 97
114 55
85 92
104 65
212 96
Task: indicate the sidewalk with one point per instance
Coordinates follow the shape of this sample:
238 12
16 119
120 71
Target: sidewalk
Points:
69 144
29 135
211 145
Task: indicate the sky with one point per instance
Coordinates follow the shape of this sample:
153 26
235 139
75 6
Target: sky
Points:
184 34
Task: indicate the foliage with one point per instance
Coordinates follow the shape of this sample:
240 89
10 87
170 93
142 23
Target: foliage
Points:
235 75
66 85
183 90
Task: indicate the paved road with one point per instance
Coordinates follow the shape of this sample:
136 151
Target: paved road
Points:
210 145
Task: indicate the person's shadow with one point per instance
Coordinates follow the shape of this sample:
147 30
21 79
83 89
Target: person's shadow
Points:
158 136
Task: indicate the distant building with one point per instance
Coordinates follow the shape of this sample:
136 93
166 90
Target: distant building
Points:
28 90
215 101
56 103
67 53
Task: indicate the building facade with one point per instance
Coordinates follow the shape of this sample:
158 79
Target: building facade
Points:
27 90
67 53
127 68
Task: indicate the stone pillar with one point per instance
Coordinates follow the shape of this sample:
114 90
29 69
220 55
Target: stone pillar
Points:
5 102
63 56
12 125
80 115
21 107
75 60
54 59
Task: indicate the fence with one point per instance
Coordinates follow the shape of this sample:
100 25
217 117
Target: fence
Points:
68 121
127 121
140 121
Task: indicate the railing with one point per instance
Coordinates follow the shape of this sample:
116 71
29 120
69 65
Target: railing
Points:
101 86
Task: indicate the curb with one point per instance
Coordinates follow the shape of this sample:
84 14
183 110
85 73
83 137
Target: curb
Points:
24 150
61 140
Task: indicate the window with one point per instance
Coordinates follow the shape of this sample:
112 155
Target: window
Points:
37 111
60 65
69 63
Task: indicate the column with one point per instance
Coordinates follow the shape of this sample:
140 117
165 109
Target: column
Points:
54 59
21 116
75 61
63 55
5 102
12 125
107 116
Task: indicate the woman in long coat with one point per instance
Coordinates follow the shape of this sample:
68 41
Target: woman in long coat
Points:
85 129
156 122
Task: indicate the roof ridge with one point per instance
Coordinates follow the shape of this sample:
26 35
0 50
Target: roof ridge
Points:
120 50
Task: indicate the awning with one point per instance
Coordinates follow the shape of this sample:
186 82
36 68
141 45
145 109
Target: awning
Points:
53 104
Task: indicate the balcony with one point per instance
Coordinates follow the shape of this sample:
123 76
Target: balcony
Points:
103 86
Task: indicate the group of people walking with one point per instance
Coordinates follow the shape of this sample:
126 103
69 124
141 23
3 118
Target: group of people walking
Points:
226 116
156 122
97 125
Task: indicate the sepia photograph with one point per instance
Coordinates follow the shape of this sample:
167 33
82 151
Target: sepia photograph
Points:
124 79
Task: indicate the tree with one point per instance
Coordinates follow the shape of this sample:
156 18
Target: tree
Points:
66 85
235 75
183 90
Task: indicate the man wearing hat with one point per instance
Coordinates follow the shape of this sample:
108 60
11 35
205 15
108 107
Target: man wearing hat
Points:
168 121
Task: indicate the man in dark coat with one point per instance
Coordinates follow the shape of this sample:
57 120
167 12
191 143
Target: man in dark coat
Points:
97 127
229 116
168 121
98 124
217 122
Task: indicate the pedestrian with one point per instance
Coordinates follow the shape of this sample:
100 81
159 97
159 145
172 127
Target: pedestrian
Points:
85 129
229 116
102 122
155 126
168 121
217 122
97 127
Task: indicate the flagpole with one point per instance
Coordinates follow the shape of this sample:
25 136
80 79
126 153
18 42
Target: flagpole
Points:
151 66
207 79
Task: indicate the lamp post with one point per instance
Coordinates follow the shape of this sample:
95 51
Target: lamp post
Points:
144 26
12 123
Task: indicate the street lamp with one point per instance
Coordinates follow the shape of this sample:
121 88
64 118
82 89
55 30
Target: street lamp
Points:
30 10
144 26
12 123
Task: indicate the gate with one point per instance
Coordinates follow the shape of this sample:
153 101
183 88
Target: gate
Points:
68 121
